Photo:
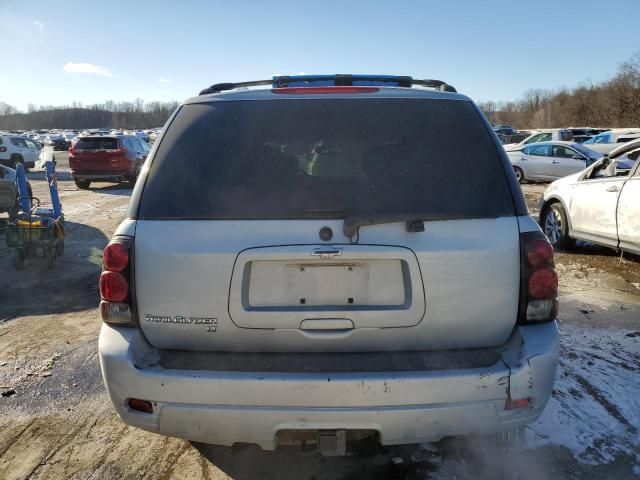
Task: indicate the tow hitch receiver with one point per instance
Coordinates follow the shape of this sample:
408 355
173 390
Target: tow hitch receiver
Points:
333 444
329 443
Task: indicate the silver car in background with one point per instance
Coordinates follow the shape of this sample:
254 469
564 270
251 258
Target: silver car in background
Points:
548 161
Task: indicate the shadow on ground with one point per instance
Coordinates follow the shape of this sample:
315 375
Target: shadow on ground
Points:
250 462
70 286
122 189
462 459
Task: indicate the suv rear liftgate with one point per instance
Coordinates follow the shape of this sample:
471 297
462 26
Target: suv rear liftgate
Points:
337 258
239 238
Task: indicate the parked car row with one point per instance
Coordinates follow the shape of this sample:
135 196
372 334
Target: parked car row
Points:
146 135
95 155
550 154
595 194
606 139
64 139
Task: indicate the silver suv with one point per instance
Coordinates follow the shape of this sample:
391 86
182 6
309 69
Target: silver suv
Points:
328 258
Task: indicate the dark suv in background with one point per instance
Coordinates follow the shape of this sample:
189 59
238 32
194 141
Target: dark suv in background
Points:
107 159
57 141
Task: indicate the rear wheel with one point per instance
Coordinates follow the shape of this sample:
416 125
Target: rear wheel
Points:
15 160
556 226
82 184
519 174
134 178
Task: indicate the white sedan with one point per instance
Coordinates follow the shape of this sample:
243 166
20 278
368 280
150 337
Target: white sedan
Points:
600 204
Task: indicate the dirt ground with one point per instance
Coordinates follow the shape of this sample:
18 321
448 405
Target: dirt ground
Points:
56 420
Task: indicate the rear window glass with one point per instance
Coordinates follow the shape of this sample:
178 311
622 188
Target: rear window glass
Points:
97 144
326 158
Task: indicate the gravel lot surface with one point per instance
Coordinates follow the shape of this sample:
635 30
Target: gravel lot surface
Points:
56 420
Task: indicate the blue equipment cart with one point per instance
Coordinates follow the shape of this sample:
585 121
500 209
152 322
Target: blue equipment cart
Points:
37 232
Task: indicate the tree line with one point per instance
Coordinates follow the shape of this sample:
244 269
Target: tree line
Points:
614 103
128 115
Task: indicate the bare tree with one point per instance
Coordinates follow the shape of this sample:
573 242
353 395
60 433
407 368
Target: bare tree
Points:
610 104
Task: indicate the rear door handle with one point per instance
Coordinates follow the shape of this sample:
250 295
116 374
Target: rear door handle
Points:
324 324
613 188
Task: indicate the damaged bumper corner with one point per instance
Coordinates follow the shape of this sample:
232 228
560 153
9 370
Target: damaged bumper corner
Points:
532 358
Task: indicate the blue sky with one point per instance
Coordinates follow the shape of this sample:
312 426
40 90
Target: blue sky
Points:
57 52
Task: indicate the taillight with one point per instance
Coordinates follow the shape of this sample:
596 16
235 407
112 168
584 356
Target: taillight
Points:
3 149
538 279
115 257
113 287
117 305
539 251
543 284
72 150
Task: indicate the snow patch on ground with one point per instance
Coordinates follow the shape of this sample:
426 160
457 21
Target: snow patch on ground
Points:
595 408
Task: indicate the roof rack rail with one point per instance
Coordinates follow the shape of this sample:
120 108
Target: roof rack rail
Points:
437 84
221 87
283 81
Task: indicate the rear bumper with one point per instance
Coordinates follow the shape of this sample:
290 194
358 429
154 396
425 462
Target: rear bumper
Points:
404 407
